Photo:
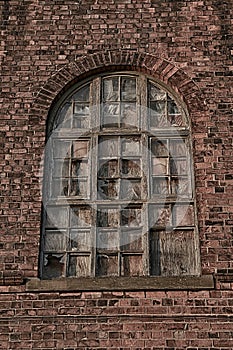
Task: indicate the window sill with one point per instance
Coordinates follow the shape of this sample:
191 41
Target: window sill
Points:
122 283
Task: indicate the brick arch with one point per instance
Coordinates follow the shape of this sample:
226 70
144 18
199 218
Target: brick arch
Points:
107 61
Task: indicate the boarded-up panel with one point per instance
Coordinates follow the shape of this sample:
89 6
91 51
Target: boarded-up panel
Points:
107 265
178 253
79 266
131 265
108 168
131 217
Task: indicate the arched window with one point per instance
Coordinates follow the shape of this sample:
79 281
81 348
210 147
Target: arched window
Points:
118 182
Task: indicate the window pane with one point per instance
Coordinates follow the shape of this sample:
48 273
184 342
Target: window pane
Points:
183 215
108 240
160 215
108 189
108 147
54 266
80 240
55 240
160 186
82 94
131 240
129 116
80 149
156 94
108 217
159 166
131 168
79 266
130 189
108 168
130 146
80 216
107 265
56 217
128 89
111 89
131 265
131 217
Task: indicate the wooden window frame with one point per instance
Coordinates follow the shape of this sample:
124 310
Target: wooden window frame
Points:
146 200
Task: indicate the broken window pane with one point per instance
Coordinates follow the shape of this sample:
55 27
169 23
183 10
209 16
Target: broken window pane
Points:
108 168
53 266
78 187
79 168
172 106
154 253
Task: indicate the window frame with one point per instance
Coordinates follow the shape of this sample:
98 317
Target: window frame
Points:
144 80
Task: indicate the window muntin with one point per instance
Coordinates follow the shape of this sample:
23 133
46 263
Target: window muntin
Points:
119 188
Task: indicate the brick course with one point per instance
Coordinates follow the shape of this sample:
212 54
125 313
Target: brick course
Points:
45 48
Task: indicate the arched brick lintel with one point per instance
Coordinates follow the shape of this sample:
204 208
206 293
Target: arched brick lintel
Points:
107 61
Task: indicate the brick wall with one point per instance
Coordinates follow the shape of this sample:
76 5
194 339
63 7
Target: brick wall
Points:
47 45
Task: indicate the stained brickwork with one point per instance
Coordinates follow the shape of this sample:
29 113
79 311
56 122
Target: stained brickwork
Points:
46 46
